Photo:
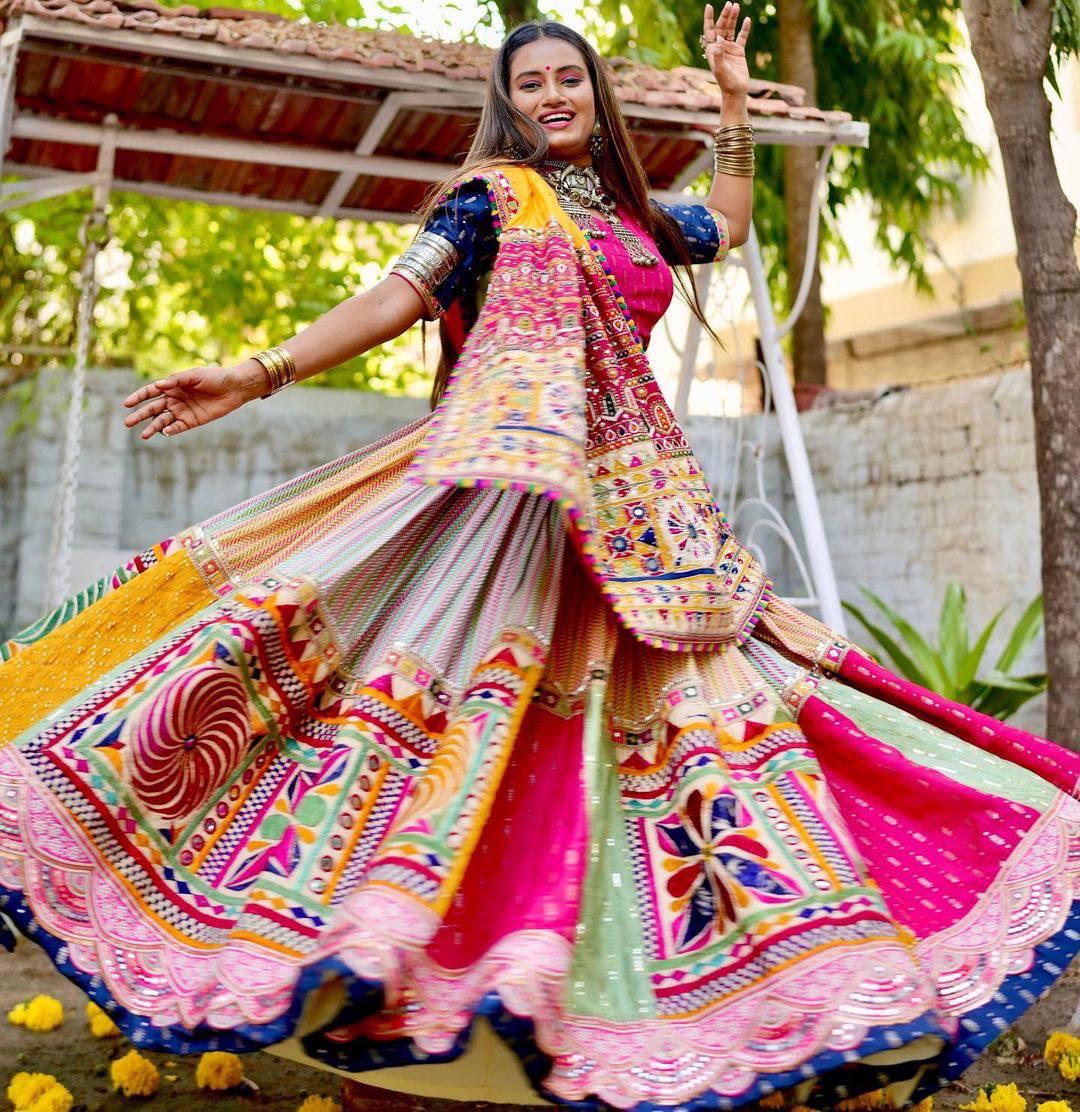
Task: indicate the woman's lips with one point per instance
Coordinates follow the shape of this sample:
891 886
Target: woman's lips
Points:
558 125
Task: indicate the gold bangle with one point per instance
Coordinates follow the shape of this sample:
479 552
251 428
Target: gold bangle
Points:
280 367
735 171
733 150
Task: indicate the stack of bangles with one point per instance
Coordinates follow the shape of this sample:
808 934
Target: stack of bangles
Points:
733 150
280 366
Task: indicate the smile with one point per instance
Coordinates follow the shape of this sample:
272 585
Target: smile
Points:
557 119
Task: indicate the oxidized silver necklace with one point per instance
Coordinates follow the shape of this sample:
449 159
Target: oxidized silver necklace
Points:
582 195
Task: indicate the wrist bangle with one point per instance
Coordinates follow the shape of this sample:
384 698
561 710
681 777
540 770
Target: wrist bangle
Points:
280 366
733 149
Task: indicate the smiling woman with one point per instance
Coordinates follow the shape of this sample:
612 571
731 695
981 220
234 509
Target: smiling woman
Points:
485 756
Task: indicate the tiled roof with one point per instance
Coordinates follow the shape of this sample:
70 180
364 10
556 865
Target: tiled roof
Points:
684 87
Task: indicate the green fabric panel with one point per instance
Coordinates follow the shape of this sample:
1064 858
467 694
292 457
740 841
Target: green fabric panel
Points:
932 747
608 977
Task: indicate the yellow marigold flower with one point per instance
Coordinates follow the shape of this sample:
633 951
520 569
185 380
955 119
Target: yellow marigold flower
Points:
924 1105
38 1092
325 1104
980 1104
877 1098
1007 1098
17 1016
773 1100
218 1070
1054 1106
101 1024
25 1088
43 1013
134 1075
1069 1065
55 1099
1057 1044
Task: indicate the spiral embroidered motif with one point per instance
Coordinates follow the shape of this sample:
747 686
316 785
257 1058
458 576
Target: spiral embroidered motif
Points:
187 742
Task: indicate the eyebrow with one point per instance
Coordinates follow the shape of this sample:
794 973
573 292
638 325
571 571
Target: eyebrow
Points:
536 73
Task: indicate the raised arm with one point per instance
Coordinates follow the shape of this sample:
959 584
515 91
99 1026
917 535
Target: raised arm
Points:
187 399
732 191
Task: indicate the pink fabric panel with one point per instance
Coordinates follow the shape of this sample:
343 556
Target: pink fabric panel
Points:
933 845
648 289
1054 763
527 868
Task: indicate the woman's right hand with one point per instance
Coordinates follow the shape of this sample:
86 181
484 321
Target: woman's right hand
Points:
187 399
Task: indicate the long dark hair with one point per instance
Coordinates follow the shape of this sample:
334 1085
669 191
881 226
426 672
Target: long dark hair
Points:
503 129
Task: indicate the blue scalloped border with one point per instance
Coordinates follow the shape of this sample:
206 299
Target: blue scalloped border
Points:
243 1039
1016 994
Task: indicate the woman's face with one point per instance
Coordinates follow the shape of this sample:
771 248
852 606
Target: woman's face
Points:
549 82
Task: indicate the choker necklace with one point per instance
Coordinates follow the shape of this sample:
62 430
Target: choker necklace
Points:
586 202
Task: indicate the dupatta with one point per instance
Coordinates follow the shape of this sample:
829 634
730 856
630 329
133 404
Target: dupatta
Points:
553 395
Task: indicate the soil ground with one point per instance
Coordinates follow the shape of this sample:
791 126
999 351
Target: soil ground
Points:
81 1062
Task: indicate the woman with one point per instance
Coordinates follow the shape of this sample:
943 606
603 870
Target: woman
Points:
496 717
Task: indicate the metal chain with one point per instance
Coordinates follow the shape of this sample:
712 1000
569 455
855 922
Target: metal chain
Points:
94 234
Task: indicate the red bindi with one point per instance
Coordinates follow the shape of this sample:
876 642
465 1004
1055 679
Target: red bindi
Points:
547 67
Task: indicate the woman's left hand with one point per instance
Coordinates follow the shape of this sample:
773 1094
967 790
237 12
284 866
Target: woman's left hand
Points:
725 49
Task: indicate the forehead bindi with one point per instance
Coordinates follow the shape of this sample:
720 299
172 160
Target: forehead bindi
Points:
546 56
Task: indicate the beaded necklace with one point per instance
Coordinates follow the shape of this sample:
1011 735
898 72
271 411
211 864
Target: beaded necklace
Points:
582 195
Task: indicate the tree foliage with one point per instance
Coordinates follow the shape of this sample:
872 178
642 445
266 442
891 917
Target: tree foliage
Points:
185 283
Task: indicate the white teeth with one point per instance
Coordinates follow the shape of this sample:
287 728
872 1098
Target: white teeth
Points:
556 116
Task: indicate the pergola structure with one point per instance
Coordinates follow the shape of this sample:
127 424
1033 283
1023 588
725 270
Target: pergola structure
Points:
249 109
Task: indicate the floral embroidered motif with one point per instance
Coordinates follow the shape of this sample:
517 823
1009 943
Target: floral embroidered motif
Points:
714 858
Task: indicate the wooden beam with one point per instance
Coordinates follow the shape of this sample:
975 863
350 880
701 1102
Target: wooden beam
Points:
206 196
376 131
26 126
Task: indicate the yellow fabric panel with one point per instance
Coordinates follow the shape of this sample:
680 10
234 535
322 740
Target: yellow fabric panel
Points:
44 675
537 204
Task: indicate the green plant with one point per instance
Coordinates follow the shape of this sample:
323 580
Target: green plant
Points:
951 667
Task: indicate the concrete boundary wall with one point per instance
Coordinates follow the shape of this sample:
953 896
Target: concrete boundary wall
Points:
918 487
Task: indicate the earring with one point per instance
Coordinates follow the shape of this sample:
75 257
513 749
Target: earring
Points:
596 141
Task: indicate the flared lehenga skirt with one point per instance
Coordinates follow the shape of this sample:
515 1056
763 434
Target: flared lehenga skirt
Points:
359 767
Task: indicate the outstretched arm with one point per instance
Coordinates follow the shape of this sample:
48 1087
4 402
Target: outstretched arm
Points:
725 50
187 399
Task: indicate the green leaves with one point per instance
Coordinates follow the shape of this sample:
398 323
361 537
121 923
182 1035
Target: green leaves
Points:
951 666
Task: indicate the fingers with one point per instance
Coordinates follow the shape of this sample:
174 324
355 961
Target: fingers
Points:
708 24
162 418
158 424
150 390
156 389
725 25
744 32
153 408
159 416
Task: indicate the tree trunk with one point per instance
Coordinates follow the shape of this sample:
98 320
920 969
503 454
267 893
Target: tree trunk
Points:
796 57
1011 43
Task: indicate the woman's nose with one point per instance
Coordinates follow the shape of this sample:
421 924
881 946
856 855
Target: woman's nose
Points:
553 94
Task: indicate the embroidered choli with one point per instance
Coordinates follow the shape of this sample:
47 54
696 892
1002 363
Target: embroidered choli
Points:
463 219
552 394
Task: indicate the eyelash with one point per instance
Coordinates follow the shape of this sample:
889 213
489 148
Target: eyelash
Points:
529 85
